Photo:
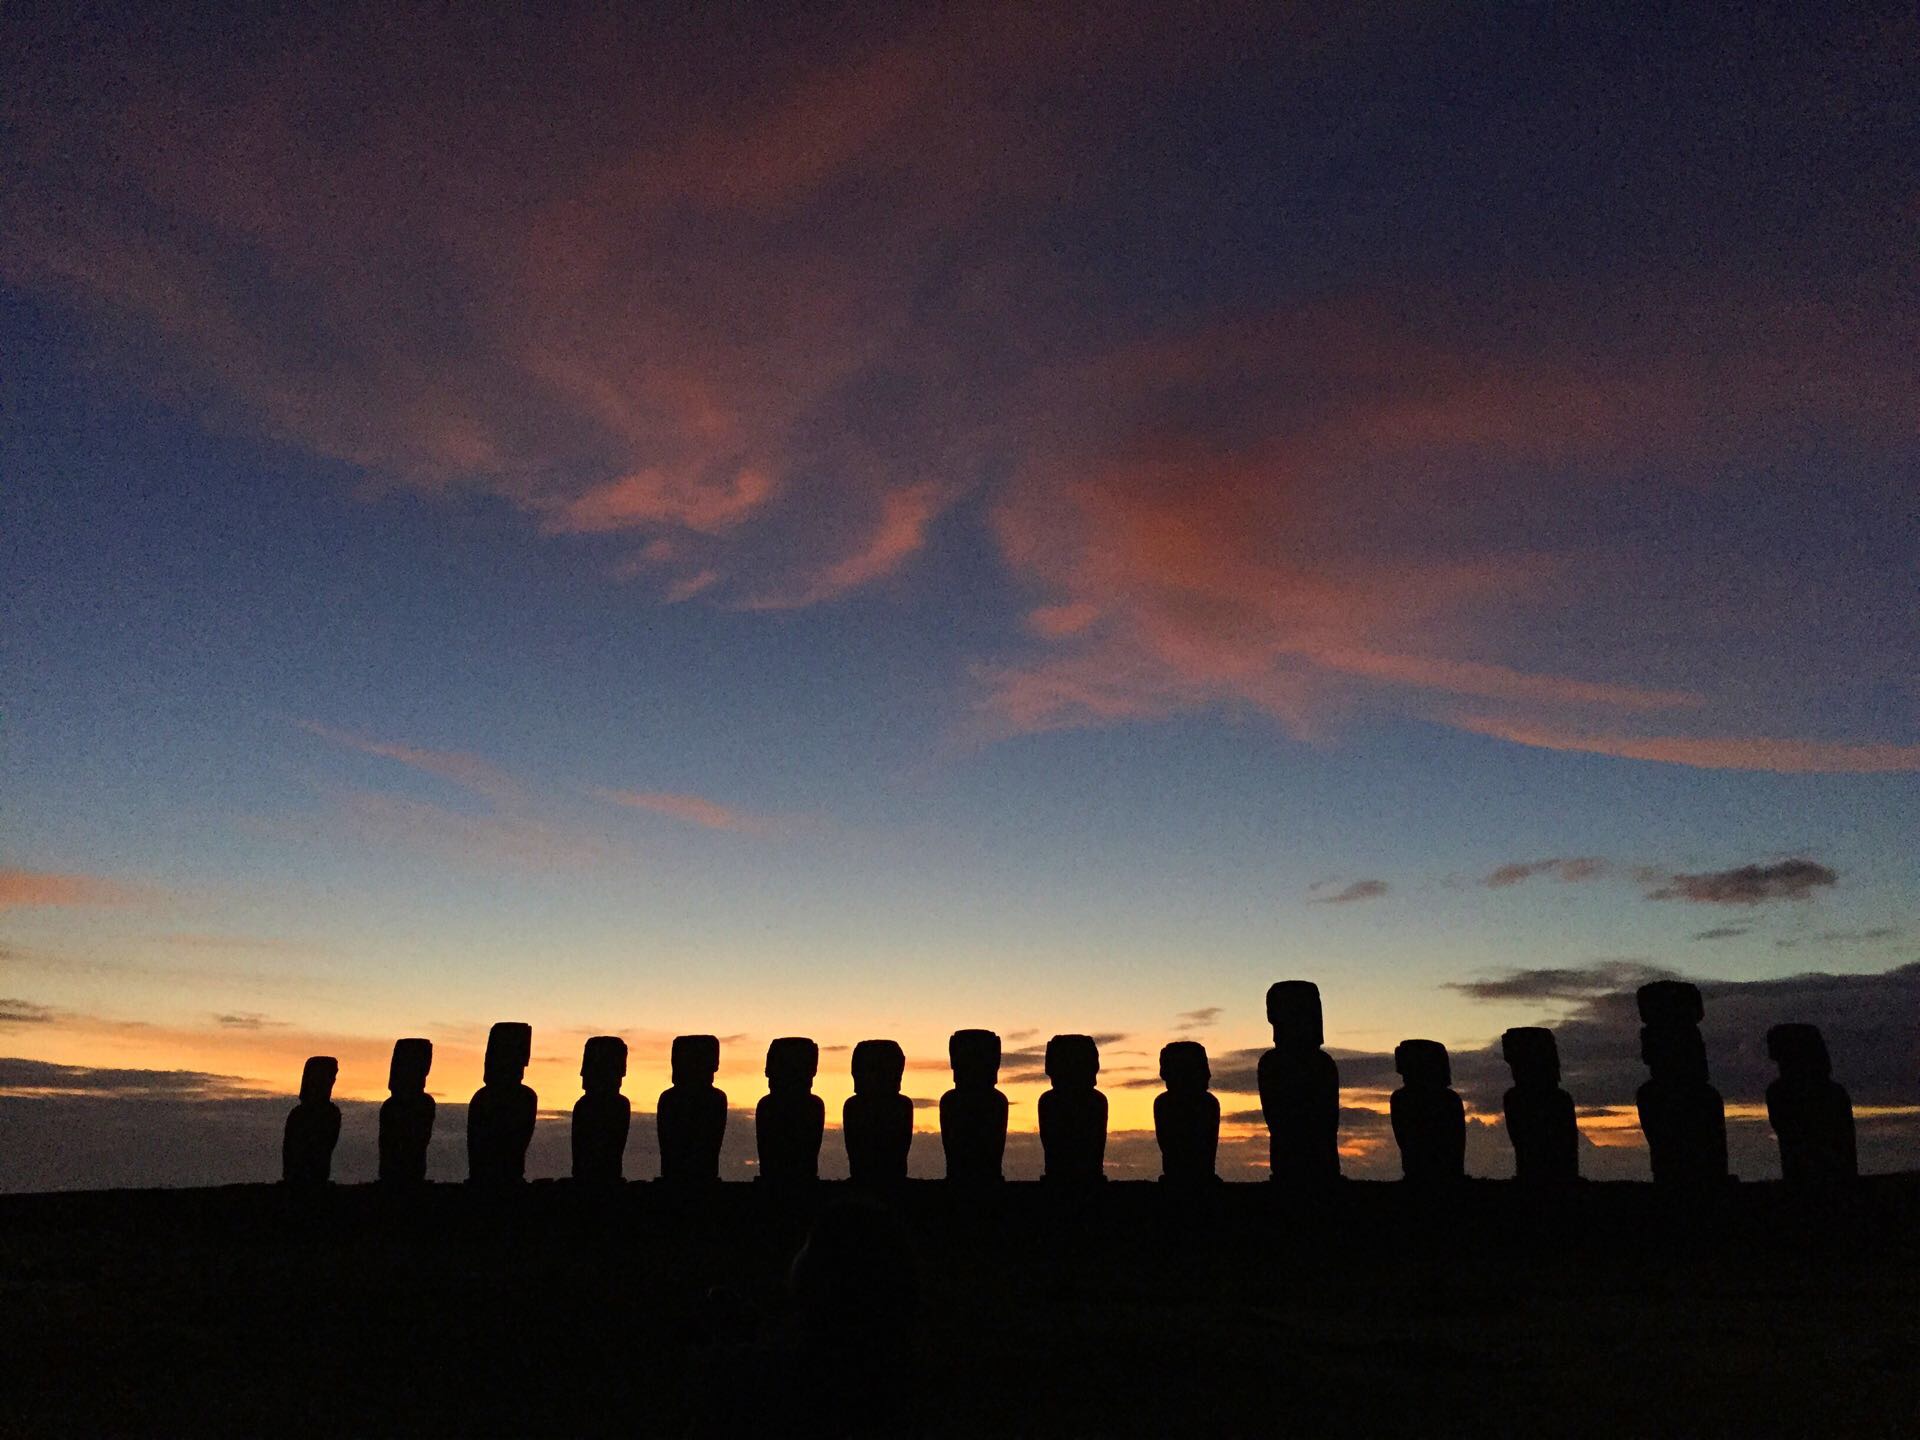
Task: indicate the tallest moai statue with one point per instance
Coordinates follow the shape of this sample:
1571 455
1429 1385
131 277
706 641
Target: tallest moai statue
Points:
1300 1088
1680 1112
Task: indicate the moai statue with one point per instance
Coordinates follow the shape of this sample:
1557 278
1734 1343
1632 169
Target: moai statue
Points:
1546 1142
406 1115
1073 1114
692 1117
877 1122
1429 1122
1299 1088
1808 1109
500 1116
1186 1118
790 1119
1680 1112
602 1115
973 1115
313 1126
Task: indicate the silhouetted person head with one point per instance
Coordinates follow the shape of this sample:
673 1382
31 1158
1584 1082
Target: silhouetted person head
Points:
1540 1121
877 1121
973 1114
313 1126
501 1115
1073 1113
1680 1112
1299 1088
1186 1119
1811 1113
790 1120
1429 1122
406 1116
692 1114
1293 1009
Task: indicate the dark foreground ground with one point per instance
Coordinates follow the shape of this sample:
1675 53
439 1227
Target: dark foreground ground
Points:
1372 1311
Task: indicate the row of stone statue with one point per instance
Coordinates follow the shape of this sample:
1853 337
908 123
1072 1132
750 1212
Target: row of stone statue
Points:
1680 1112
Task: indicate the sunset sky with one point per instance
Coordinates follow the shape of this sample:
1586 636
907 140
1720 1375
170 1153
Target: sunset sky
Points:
860 521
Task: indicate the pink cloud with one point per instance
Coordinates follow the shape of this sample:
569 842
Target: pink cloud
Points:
468 771
692 810
32 888
1778 756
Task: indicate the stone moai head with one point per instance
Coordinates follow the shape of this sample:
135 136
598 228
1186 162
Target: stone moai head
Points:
696 1059
316 1079
1423 1063
1674 1052
878 1067
1183 1067
407 1071
1293 1009
1800 1051
792 1062
975 1057
1670 1002
1073 1062
603 1064
509 1048
1532 1055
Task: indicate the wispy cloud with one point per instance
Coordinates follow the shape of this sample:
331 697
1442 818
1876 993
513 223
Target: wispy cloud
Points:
470 772
1349 894
1795 879
1200 1019
1720 932
1568 872
1778 756
25 1012
247 1020
1870 936
26 888
692 810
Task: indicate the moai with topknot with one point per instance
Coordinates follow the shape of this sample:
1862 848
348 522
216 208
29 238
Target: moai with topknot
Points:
501 1114
313 1126
1429 1122
602 1115
1809 1110
973 1114
1299 1088
1073 1112
406 1115
877 1121
1680 1112
692 1117
790 1120
1546 1142
1186 1117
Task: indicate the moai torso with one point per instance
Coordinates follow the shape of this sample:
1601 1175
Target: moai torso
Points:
1540 1118
1073 1113
1299 1088
313 1127
790 1120
877 1120
1681 1114
1810 1112
501 1115
692 1116
973 1115
1429 1122
1186 1116
602 1115
406 1115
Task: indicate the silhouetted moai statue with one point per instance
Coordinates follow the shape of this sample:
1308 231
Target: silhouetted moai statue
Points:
1073 1113
406 1115
1429 1122
500 1116
1299 1088
790 1119
973 1114
1808 1109
602 1114
1680 1112
1186 1118
877 1120
692 1117
313 1126
1546 1142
